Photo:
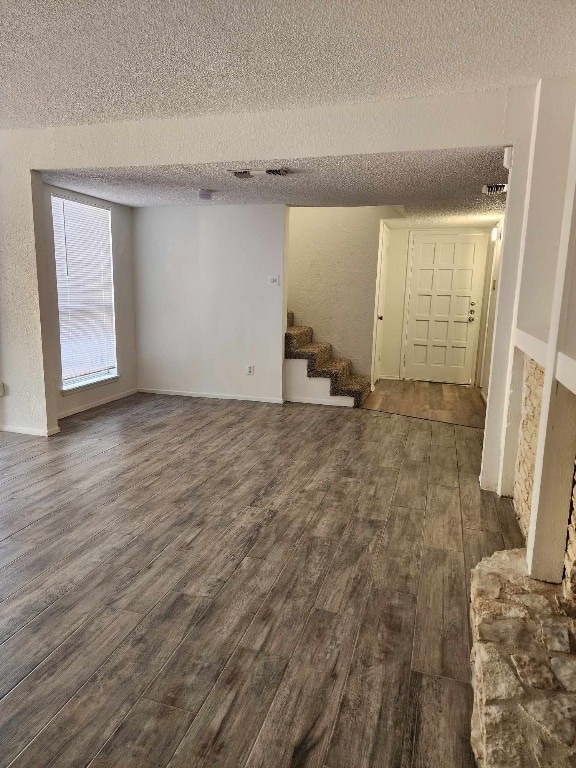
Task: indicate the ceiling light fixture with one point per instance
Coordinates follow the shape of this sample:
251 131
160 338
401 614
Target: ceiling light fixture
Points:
205 194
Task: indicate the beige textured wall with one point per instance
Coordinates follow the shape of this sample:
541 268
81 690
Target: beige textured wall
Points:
331 276
526 459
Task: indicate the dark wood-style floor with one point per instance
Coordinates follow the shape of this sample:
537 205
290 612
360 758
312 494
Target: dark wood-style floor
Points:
449 403
224 584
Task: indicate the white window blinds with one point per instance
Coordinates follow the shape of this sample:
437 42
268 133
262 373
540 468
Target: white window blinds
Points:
83 248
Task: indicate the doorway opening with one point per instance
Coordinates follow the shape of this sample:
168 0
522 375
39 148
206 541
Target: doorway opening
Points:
434 320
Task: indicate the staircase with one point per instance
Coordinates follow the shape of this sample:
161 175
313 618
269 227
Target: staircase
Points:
321 364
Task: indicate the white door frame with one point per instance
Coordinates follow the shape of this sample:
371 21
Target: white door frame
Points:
379 301
492 285
410 266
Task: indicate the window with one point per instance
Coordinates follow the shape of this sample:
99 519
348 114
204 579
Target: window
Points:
83 249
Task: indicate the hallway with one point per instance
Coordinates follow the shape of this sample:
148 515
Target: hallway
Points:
263 585
448 403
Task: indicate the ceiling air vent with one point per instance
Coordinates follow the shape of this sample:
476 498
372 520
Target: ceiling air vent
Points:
278 171
250 173
494 189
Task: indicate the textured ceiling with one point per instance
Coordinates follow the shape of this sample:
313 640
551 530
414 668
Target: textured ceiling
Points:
439 182
75 61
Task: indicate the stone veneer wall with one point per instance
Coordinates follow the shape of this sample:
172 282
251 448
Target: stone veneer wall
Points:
523 667
569 581
526 459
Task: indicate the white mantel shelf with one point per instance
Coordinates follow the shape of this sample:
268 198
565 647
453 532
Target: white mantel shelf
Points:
566 371
532 346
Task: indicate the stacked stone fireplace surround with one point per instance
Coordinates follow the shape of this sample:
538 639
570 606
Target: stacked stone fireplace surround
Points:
526 459
524 636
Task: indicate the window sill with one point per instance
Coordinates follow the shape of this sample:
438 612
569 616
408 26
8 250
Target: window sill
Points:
89 385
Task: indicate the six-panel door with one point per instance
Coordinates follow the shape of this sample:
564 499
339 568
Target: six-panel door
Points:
443 309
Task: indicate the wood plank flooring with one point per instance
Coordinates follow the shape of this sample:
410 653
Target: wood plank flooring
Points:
220 584
449 403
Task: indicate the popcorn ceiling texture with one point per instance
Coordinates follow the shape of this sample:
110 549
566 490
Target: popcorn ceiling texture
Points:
447 181
526 459
87 62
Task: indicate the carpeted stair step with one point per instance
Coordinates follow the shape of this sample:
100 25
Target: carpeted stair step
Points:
338 370
316 353
298 344
357 387
297 336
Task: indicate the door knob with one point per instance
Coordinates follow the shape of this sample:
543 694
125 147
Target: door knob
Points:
380 317
471 318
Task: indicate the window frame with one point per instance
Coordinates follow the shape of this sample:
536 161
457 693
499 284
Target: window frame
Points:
112 376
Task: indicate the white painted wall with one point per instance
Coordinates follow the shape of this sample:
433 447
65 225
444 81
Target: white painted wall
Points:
435 122
121 226
331 267
503 409
540 166
205 307
552 142
556 445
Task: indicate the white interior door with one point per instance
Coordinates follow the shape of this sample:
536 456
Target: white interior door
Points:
443 305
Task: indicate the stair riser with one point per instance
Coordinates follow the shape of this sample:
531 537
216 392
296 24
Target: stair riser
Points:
293 343
359 397
323 356
314 360
340 373
337 380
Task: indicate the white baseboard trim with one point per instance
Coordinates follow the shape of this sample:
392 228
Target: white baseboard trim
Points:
211 395
28 430
54 430
322 401
390 378
95 404
483 396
